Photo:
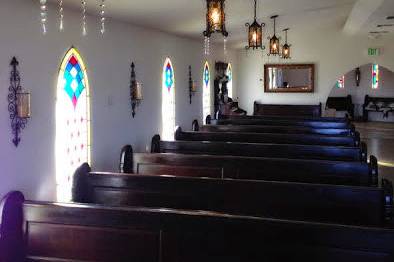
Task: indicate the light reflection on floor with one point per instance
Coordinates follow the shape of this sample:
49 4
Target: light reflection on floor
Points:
380 141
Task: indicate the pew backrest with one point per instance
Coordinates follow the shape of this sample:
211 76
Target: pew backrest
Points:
289 151
70 232
270 169
280 122
283 200
302 139
287 110
278 129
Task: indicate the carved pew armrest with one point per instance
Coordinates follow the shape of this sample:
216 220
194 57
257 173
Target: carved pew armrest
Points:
364 152
388 201
155 145
374 174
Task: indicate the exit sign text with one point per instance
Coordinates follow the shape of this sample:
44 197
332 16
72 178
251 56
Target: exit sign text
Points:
373 51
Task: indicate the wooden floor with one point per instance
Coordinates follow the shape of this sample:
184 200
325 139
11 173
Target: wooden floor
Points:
379 137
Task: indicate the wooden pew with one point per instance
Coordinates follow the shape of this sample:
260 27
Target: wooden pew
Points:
270 169
71 232
291 118
261 150
282 122
283 200
301 139
288 110
275 129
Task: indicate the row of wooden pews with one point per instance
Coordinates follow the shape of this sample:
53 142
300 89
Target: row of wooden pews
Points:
232 190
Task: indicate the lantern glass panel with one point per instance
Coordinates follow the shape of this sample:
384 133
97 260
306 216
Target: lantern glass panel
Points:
255 35
215 16
286 51
274 45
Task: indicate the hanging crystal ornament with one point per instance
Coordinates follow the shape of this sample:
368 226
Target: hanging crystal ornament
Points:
225 46
206 46
61 16
84 30
43 15
102 16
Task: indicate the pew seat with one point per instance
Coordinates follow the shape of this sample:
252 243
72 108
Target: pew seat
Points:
71 232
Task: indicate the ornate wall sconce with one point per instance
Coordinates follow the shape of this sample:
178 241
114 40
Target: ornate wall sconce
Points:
135 91
192 85
18 103
358 76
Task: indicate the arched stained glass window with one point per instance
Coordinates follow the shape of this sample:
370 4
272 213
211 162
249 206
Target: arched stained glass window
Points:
375 76
168 101
206 91
229 74
72 121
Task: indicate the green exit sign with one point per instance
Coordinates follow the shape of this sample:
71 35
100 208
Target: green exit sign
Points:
373 51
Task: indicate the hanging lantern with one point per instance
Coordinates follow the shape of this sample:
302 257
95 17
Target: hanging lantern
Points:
286 47
216 18
274 40
255 35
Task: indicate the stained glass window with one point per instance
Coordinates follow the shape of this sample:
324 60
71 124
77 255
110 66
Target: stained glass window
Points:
341 82
375 76
72 121
230 80
206 91
168 101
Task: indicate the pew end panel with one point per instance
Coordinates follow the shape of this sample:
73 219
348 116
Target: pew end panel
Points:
374 170
363 152
178 133
126 153
208 120
11 228
388 202
155 145
80 181
357 138
195 125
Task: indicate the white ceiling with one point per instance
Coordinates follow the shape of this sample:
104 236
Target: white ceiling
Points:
187 17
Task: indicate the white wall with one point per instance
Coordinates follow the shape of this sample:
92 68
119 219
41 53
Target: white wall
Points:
332 52
31 167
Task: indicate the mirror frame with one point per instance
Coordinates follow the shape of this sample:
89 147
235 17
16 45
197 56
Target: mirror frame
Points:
307 89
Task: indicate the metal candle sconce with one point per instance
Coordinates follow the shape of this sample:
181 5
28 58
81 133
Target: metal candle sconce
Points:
18 103
135 91
192 86
358 76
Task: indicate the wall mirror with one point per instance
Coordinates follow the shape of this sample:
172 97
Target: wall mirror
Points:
289 78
